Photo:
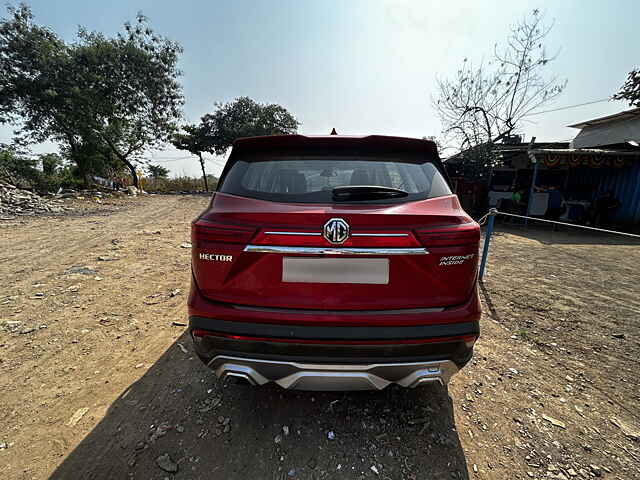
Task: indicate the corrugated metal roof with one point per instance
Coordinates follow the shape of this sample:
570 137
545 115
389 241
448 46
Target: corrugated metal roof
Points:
609 118
618 132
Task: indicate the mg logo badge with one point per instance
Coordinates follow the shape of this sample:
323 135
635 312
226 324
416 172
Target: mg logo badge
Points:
336 230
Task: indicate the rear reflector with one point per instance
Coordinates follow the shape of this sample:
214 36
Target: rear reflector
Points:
450 237
206 232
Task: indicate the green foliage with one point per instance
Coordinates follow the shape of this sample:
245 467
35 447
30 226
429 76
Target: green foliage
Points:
242 117
630 91
18 169
157 171
51 163
178 184
245 117
195 141
118 95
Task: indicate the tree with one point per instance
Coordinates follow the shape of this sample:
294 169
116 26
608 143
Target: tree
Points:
630 91
51 163
157 171
195 141
245 117
483 105
119 93
242 117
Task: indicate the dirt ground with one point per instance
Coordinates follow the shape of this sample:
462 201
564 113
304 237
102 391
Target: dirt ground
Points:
97 382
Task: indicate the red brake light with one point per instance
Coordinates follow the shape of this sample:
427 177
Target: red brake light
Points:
449 236
205 232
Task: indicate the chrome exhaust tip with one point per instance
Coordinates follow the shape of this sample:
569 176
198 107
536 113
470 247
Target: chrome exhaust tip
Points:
241 372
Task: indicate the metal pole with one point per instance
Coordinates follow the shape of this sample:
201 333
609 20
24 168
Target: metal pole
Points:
533 160
533 184
487 238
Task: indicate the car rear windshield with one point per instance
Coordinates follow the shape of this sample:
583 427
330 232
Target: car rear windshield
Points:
312 179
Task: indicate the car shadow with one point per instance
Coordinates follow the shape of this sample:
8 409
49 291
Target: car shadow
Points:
179 416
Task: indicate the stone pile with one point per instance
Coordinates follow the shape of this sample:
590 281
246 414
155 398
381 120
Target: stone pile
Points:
14 201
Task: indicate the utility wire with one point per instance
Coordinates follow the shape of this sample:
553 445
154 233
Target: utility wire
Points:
568 107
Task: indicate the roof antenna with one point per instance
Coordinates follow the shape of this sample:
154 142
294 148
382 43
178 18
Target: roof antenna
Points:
333 132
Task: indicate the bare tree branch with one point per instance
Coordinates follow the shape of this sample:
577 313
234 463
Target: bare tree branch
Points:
486 104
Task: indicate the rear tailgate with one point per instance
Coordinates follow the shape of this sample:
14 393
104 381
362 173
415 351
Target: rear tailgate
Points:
425 254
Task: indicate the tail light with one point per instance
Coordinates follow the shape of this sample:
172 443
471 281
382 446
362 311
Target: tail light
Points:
204 232
450 236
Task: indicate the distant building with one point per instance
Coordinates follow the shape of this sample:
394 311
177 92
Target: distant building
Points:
604 156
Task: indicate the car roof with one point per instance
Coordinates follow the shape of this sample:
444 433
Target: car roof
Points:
383 142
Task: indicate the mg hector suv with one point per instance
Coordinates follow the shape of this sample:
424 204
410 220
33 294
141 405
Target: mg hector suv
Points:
334 263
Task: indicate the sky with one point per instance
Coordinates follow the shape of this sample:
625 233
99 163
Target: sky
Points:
362 66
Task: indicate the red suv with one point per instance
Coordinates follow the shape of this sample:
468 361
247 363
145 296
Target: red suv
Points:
334 263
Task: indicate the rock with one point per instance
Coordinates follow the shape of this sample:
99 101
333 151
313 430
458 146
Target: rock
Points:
159 431
629 431
24 331
75 418
618 335
12 325
596 470
572 473
3 445
554 421
80 271
165 463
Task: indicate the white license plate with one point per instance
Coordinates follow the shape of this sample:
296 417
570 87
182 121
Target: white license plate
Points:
335 270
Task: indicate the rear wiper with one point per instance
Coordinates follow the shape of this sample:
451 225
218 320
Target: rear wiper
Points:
366 192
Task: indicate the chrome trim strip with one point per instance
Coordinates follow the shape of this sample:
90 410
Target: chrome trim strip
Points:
306 234
379 234
334 250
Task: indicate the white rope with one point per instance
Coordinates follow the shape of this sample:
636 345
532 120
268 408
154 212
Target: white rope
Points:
567 224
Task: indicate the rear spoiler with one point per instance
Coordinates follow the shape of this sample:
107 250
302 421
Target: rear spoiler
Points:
362 144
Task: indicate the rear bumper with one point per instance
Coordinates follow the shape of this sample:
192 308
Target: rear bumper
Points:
333 351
